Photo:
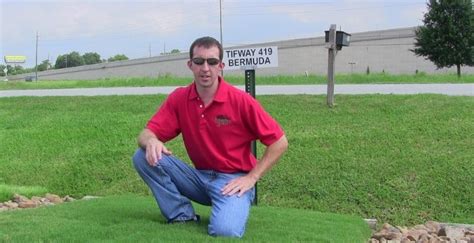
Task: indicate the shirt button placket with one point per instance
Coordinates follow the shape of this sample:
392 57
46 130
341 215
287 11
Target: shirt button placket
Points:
201 109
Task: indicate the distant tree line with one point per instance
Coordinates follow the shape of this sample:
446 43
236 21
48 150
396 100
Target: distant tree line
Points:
75 59
72 59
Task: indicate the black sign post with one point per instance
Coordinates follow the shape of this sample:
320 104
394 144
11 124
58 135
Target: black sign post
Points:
250 88
249 59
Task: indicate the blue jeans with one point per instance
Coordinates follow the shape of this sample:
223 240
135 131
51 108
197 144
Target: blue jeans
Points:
174 183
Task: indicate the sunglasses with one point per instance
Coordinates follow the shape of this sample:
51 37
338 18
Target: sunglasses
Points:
200 61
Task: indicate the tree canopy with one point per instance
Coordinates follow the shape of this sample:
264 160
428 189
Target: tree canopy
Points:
72 59
45 65
447 37
91 58
118 57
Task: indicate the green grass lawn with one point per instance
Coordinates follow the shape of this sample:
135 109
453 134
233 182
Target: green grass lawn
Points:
7 191
132 218
375 78
402 159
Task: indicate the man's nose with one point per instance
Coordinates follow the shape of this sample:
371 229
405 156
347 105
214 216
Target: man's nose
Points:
205 66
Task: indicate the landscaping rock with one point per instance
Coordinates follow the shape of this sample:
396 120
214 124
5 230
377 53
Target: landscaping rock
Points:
89 197
10 204
416 234
372 223
69 199
19 198
388 232
27 204
54 198
452 232
430 232
433 227
21 202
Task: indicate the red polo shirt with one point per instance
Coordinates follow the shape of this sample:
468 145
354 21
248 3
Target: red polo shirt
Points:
217 137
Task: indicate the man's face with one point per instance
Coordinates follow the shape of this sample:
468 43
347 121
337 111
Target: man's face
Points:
205 66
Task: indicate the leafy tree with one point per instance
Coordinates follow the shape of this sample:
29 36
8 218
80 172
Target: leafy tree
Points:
45 65
91 58
14 70
118 57
74 59
447 37
61 62
174 51
17 69
2 73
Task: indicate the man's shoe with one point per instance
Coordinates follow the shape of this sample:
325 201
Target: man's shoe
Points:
196 219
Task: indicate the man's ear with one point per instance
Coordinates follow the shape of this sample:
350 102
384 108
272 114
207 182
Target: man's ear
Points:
221 65
190 63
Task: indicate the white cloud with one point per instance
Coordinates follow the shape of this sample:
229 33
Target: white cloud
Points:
355 16
72 19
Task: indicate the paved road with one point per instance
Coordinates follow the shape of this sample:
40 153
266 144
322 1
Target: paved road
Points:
447 89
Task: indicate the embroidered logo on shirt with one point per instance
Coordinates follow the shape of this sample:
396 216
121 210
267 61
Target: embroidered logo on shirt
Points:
222 120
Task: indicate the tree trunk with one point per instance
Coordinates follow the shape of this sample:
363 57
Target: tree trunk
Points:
459 70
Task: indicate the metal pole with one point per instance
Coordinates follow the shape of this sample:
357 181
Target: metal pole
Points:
250 88
36 66
220 24
331 65
220 20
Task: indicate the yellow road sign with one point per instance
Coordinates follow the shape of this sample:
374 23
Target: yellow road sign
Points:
15 59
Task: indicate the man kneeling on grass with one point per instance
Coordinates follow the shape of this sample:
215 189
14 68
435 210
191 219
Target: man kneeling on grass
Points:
217 123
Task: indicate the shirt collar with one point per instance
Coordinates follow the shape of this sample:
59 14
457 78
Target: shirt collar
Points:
221 93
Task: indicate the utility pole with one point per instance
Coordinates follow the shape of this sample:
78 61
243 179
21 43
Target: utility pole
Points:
36 66
331 64
220 21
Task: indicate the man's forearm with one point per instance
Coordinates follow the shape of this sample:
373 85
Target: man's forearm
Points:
270 157
144 137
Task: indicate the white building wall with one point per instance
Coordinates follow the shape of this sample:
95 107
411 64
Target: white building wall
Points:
385 50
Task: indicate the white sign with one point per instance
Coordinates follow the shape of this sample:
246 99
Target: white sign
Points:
251 58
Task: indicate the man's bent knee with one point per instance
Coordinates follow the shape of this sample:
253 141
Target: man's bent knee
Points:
226 229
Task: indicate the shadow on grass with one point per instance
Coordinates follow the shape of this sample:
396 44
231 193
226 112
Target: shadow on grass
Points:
135 218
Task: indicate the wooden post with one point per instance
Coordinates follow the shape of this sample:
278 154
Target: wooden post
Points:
331 64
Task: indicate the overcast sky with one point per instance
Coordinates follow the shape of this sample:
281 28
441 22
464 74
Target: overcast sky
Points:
140 28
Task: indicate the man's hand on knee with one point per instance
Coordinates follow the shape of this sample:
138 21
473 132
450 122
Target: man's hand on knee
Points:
239 185
154 150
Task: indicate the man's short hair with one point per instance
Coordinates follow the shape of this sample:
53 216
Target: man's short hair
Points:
206 42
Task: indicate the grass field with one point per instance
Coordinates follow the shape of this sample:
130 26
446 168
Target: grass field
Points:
131 218
6 191
375 78
400 159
